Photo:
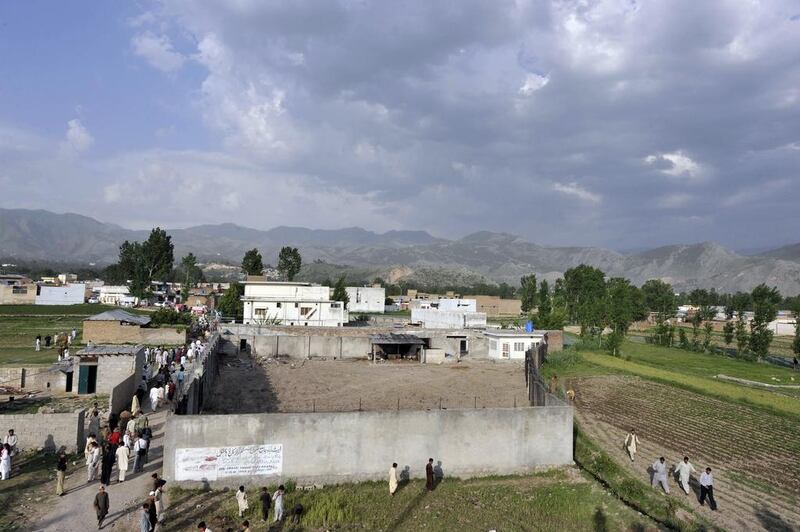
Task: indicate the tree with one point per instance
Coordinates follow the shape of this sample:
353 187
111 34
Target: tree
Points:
708 329
144 262
728 331
340 292
252 262
659 297
289 262
585 294
189 272
231 304
527 292
765 309
621 311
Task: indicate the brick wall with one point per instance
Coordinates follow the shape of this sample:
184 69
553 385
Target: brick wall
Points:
35 378
46 431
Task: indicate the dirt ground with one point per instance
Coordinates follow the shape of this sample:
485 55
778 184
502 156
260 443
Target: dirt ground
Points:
754 455
246 385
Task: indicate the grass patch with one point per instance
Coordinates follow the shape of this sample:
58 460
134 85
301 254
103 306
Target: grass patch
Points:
571 363
83 309
546 501
775 403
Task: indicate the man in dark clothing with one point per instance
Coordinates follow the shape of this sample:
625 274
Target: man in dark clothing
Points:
707 489
101 504
151 509
61 471
266 501
109 456
156 481
429 475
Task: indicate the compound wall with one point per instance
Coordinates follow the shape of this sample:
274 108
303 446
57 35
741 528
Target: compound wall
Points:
356 446
50 432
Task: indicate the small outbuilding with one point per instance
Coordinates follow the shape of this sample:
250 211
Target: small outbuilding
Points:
512 345
118 326
396 345
114 370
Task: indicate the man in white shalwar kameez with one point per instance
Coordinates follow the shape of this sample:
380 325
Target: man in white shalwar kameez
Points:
660 474
154 398
631 442
393 479
684 470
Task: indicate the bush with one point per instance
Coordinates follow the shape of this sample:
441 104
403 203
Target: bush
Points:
169 316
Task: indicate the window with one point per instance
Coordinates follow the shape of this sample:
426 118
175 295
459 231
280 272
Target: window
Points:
519 346
296 305
261 312
304 311
505 350
279 304
19 290
335 305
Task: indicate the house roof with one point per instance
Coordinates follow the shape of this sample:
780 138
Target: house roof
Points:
101 350
120 315
393 338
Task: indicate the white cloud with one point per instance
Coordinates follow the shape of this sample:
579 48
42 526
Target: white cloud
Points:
533 83
673 201
574 189
78 138
158 51
676 164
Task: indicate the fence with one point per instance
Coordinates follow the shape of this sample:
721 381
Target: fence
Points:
400 403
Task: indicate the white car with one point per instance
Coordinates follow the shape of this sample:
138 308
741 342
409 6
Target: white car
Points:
94 300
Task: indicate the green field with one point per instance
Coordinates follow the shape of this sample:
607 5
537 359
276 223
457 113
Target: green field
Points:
554 500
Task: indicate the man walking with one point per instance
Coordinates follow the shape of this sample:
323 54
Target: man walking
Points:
61 471
707 489
429 475
122 462
144 518
92 462
684 470
101 504
139 451
660 474
393 479
631 442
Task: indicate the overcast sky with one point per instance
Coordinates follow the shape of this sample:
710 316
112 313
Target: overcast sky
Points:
625 124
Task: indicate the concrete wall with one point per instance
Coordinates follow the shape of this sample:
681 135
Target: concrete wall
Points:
366 299
356 446
36 378
46 431
448 319
115 332
122 394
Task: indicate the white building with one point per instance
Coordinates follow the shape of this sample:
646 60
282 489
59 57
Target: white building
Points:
279 303
435 318
782 327
512 345
467 305
366 299
68 294
114 294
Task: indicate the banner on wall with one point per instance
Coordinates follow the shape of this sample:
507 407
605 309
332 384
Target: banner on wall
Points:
213 463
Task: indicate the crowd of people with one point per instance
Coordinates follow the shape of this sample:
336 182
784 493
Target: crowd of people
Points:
683 470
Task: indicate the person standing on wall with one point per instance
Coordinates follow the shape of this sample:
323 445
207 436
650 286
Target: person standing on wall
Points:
429 475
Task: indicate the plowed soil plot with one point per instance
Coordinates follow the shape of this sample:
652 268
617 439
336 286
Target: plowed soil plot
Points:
755 456
272 385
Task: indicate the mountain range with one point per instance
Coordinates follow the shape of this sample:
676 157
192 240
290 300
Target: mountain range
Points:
394 255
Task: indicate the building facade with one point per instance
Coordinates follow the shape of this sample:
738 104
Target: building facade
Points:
366 299
17 290
286 303
68 294
512 345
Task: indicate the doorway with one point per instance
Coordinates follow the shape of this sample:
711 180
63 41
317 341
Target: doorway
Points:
87 379
68 386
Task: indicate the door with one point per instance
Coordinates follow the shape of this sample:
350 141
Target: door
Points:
68 386
463 347
87 379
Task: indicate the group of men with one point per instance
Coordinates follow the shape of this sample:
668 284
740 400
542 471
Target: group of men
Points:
683 470
432 475
152 509
7 452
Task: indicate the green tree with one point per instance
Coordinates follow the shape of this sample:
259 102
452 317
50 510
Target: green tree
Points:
527 292
659 297
683 341
189 272
621 310
289 262
708 329
252 262
231 304
728 331
144 262
340 292
585 294
765 309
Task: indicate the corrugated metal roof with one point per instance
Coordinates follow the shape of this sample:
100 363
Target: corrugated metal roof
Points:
100 350
396 339
120 315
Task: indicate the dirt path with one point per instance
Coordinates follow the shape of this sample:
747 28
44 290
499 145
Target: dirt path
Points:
753 455
246 384
74 510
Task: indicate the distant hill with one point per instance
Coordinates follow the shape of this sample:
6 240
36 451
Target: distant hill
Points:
479 257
